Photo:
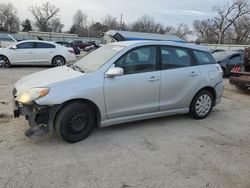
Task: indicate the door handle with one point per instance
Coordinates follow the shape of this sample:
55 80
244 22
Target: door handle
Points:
193 74
153 79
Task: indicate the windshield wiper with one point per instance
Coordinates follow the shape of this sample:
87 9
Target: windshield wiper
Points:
77 68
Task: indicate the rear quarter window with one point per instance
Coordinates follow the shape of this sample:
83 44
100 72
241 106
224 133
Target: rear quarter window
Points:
204 58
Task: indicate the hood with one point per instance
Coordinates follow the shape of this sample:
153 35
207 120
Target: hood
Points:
45 78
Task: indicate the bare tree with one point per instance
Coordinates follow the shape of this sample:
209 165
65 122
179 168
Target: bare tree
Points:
44 16
26 24
80 19
182 31
9 21
79 25
110 22
169 29
56 25
242 30
228 15
205 31
144 24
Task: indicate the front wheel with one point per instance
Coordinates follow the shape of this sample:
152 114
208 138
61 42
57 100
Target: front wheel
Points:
201 105
58 61
4 62
75 122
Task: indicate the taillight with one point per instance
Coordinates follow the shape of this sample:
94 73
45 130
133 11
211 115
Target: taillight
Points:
236 69
72 51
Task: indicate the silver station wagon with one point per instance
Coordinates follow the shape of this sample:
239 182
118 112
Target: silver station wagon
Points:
118 83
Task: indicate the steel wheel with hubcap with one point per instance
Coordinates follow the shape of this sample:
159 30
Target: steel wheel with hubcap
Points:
4 62
75 121
202 104
58 61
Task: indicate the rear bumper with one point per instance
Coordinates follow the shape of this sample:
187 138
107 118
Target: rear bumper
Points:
219 89
240 80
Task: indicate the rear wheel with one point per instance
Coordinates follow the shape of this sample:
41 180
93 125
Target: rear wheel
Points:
4 62
75 122
58 61
202 104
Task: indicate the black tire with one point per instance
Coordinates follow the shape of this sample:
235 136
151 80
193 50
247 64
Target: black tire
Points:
4 62
199 109
242 88
75 122
58 61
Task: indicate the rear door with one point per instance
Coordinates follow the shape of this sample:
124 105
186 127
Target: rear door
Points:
44 52
179 78
23 54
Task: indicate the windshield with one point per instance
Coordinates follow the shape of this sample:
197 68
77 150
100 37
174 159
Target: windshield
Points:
220 56
96 59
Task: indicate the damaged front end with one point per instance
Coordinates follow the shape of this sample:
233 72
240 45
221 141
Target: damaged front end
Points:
40 118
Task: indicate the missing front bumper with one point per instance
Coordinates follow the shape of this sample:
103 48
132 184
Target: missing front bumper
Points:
40 118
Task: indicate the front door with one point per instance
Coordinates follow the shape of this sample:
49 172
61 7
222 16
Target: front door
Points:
137 91
23 54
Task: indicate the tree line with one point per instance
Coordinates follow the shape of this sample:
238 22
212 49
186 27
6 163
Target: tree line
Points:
231 23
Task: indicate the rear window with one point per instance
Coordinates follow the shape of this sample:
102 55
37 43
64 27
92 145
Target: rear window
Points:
204 57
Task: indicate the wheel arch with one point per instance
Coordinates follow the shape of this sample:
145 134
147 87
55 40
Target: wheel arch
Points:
207 88
86 101
5 57
58 55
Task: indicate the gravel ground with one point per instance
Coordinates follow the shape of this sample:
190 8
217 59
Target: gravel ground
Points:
175 151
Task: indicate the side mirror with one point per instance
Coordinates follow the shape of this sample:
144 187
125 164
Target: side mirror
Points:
13 48
115 71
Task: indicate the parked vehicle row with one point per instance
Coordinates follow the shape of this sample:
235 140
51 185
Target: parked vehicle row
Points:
118 83
240 74
227 60
36 52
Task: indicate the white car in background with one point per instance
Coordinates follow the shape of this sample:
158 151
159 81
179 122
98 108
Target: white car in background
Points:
36 52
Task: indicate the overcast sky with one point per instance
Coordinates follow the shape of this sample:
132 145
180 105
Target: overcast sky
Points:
167 12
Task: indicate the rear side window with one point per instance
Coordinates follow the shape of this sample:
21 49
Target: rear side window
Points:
173 57
44 45
203 58
25 45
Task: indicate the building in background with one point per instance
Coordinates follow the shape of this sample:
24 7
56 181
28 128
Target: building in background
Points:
116 36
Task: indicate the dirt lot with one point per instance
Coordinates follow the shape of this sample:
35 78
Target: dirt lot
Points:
166 152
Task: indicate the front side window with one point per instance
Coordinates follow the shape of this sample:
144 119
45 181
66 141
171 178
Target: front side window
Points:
174 57
44 45
203 57
138 60
25 45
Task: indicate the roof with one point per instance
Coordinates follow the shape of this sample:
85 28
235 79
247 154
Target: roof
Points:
129 35
169 43
37 41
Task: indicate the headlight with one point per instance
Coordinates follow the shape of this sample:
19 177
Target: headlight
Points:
32 94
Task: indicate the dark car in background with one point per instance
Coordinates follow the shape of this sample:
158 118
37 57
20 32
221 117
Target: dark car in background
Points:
228 60
80 44
216 50
67 44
